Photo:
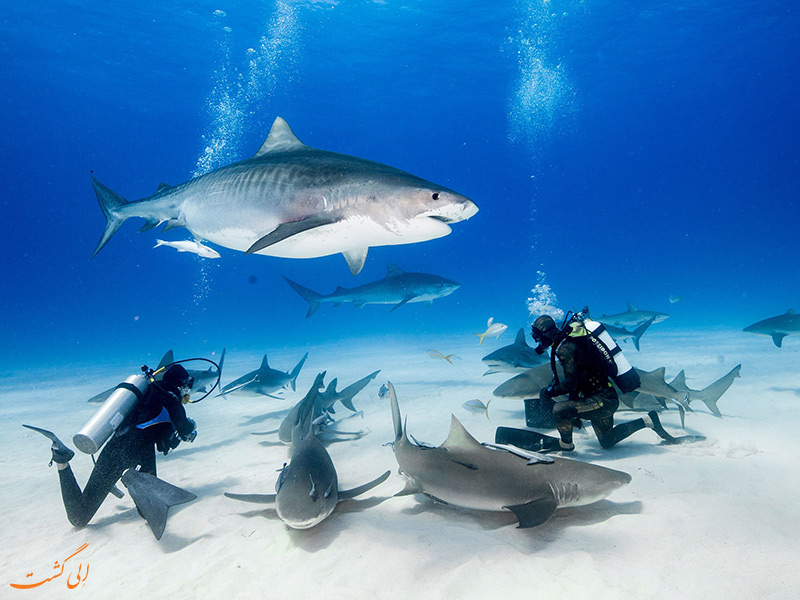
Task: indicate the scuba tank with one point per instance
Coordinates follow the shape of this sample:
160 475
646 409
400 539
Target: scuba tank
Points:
113 411
617 366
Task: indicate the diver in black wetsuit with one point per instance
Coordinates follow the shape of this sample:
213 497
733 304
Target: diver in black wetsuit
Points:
157 421
590 393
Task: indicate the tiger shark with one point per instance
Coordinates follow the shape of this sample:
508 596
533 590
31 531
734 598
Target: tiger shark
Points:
307 490
490 477
295 201
398 287
777 327
265 380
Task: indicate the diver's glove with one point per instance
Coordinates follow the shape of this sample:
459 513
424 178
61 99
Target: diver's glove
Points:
189 437
546 393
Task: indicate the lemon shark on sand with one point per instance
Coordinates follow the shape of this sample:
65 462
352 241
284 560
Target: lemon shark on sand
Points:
490 477
294 201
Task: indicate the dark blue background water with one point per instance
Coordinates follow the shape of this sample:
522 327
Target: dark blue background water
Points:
617 151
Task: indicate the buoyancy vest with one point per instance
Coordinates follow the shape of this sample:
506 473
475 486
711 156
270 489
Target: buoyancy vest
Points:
608 353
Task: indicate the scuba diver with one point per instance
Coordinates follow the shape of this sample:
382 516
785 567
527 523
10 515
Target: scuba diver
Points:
590 359
157 419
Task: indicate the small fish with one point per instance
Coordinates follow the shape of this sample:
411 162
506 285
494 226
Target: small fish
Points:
477 407
190 246
448 357
383 392
673 299
492 329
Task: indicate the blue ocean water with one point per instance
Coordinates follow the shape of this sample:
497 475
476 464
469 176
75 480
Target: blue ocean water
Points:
617 151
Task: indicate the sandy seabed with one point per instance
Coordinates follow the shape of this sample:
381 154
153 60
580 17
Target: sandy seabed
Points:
715 519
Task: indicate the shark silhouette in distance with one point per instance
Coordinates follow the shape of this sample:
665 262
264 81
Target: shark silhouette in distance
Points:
491 477
514 358
398 287
265 380
633 317
204 379
620 334
294 201
307 490
777 327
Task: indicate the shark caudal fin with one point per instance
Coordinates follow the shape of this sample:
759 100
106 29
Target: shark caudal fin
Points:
709 395
110 203
153 497
310 296
296 371
639 331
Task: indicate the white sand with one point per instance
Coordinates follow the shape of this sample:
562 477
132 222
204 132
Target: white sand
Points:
717 519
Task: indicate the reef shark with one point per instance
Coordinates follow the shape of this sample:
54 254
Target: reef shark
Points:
265 380
463 472
398 288
307 490
514 358
204 379
710 394
621 334
777 327
294 201
632 317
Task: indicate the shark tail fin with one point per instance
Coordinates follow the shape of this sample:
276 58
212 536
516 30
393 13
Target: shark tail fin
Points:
709 395
310 296
153 497
110 203
639 331
296 371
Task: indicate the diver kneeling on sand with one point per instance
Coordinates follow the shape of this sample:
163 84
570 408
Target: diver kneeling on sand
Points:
142 414
589 358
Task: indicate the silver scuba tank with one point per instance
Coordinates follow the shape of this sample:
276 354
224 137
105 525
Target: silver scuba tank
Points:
113 411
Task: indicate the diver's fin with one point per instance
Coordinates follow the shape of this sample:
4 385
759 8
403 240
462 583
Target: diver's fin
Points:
525 439
153 497
345 494
61 453
254 498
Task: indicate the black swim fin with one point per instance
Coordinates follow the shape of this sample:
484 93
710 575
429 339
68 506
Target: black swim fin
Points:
153 497
667 437
61 453
526 439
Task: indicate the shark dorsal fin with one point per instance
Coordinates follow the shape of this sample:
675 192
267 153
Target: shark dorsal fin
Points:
332 385
281 138
168 359
520 341
162 186
265 362
459 437
680 380
631 307
393 270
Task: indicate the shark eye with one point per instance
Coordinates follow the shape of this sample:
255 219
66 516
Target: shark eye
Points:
435 195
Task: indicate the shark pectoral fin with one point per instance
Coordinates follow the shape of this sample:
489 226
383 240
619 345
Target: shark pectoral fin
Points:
356 259
346 494
777 338
287 230
410 489
403 301
236 387
535 512
254 498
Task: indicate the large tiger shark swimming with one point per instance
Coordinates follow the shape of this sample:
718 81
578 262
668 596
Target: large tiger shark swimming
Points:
294 201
